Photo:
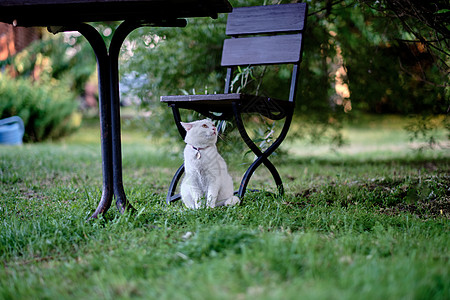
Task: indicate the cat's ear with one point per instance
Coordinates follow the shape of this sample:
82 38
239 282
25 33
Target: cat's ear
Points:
187 126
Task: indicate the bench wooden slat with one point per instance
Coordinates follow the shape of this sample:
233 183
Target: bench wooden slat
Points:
266 19
205 97
262 50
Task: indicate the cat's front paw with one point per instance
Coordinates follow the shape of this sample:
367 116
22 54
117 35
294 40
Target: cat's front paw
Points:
232 201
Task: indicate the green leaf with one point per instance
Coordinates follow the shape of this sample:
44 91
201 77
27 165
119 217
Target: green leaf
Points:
443 11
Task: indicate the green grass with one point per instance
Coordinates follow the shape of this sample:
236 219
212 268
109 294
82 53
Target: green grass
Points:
370 221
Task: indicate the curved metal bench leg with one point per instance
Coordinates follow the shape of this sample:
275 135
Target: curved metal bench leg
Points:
262 157
171 196
248 174
177 119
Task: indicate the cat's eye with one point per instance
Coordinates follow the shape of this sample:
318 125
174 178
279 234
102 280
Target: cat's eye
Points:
205 126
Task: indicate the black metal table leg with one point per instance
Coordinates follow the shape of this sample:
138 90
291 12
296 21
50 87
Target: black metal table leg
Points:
109 111
101 53
114 49
109 104
119 36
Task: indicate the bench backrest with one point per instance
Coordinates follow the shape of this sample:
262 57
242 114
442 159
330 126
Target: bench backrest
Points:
285 20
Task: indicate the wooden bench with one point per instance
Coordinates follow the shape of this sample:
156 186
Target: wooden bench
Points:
261 35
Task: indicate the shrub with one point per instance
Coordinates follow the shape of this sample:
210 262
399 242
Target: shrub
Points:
48 111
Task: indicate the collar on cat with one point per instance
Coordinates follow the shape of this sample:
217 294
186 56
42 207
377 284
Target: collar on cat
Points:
198 155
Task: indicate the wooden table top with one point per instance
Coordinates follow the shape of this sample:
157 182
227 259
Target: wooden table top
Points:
63 12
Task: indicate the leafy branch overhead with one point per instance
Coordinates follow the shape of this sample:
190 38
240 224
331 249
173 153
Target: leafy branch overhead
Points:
424 22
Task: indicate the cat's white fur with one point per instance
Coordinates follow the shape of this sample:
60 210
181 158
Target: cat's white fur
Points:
206 175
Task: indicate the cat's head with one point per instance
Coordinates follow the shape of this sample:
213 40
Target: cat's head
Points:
200 133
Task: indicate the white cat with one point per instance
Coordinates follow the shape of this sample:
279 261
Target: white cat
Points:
206 174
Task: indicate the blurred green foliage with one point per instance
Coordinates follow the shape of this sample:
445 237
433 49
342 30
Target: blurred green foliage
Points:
48 111
386 72
49 76
66 58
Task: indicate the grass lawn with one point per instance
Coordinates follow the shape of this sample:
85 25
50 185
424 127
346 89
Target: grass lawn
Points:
369 221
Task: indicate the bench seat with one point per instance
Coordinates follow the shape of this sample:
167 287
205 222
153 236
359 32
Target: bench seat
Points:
208 104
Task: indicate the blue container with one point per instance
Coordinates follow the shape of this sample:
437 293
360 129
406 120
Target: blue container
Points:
11 131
